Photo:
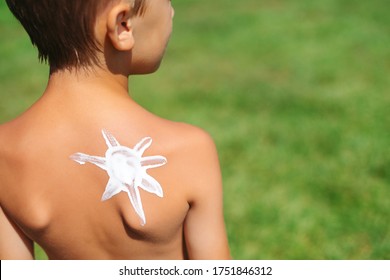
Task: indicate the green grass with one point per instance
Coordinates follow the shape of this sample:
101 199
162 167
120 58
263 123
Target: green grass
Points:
296 96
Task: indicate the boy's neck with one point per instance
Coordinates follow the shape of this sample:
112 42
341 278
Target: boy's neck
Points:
87 82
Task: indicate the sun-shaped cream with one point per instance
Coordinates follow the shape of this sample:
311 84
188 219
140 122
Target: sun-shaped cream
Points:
127 170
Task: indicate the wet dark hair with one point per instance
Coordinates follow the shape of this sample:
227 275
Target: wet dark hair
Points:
63 30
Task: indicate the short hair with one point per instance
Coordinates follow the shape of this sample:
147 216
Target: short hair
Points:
63 30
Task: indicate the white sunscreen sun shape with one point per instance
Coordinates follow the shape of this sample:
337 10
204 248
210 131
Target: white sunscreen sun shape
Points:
126 169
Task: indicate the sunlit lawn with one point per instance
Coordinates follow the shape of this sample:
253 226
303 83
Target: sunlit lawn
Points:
296 96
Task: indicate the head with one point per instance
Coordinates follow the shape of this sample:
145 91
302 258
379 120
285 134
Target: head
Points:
80 34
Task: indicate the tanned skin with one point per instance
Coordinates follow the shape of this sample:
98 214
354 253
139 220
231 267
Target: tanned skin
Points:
47 198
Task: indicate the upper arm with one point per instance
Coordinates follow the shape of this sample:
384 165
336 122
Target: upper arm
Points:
204 228
14 244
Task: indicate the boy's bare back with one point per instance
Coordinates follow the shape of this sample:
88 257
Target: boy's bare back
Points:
48 198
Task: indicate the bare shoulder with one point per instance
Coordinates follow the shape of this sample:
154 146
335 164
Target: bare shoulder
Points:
195 160
197 167
12 139
5 142
190 137
2 145
193 143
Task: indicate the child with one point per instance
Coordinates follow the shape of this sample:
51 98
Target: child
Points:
131 198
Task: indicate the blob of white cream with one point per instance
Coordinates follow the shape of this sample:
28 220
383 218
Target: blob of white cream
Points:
126 169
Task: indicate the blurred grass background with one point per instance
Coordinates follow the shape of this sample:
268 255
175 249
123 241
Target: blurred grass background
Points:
296 96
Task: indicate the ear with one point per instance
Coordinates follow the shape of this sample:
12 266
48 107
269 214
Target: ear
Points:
119 28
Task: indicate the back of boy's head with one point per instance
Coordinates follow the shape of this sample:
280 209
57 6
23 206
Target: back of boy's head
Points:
63 30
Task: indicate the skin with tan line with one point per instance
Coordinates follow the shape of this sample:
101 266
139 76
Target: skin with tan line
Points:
46 197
